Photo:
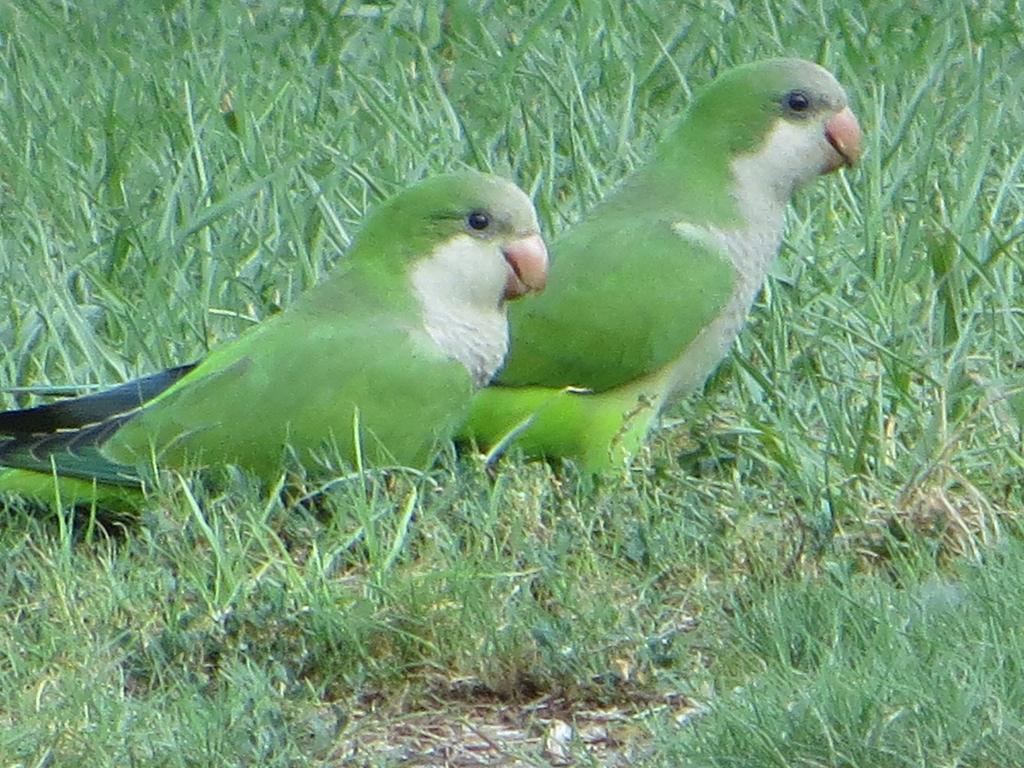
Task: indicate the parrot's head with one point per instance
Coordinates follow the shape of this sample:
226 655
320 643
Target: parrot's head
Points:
473 234
492 250
470 242
789 115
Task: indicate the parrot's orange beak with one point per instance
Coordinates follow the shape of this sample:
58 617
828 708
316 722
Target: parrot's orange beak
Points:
528 259
843 132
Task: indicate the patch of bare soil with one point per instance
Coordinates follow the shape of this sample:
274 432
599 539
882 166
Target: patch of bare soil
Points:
547 732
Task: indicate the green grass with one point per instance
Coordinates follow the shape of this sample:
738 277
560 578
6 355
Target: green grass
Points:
817 561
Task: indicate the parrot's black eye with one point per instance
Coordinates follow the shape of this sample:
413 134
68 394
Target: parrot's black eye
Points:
797 101
478 220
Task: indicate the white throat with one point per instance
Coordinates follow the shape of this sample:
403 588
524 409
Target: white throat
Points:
792 155
460 287
763 183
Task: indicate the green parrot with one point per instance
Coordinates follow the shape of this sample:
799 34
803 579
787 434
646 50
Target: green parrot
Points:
653 286
378 362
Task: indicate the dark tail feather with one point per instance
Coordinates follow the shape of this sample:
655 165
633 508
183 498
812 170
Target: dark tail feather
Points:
89 409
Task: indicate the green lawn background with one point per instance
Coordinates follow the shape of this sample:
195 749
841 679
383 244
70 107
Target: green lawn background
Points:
814 564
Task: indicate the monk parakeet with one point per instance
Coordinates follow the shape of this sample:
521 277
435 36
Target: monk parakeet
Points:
652 287
381 358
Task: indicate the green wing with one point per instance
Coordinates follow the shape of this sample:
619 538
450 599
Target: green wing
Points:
627 294
305 381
